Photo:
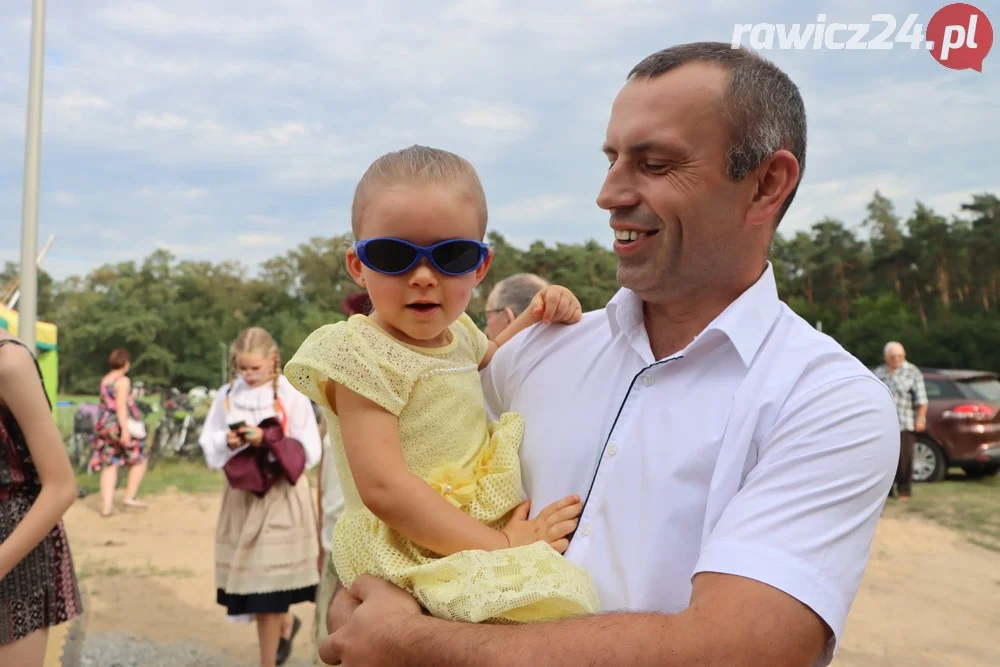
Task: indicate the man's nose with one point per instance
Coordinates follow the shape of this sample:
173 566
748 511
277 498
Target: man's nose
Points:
618 190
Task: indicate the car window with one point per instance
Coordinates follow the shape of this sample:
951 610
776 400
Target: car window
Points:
942 389
987 389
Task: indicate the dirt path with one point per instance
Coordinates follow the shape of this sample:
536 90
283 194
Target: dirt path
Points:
149 573
928 599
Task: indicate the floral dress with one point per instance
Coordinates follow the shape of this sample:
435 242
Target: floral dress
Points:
108 449
41 590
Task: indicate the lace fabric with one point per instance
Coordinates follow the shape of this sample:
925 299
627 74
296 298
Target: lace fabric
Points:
447 440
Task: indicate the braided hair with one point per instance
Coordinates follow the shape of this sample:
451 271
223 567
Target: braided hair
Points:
255 340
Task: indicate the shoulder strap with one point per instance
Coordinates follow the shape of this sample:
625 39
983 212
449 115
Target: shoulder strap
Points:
38 368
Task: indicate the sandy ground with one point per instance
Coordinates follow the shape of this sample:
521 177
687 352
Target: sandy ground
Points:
929 598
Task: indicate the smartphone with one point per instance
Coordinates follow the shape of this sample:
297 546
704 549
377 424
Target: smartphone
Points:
236 425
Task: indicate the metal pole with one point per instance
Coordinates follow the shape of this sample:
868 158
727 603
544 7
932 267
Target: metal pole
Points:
28 311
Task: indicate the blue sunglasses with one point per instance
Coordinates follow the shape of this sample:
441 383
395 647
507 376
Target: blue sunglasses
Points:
454 257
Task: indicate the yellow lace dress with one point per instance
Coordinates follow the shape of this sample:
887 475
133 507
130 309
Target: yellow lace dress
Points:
449 441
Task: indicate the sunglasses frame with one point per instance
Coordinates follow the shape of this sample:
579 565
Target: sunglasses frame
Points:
361 250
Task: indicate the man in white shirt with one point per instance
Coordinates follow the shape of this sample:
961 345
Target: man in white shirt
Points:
733 460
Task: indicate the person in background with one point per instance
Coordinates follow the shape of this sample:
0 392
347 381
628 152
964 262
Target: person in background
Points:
357 302
906 383
115 446
266 545
38 587
509 298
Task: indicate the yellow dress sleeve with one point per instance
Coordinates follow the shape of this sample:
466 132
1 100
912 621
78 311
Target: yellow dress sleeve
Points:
480 343
357 357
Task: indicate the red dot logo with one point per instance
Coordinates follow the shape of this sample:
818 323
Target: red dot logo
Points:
959 36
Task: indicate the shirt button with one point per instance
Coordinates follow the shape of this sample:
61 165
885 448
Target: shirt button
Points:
648 380
586 529
612 449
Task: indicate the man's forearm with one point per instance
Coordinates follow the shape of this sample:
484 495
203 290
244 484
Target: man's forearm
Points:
610 640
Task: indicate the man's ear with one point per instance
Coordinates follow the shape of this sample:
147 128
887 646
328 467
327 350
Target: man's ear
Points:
354 266
776 177
511 315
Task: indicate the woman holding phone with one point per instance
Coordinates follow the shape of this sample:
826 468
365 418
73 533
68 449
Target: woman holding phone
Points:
266 543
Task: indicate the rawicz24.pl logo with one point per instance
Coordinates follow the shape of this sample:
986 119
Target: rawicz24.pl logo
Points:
958 36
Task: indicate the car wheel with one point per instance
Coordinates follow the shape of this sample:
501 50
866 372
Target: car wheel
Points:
929 464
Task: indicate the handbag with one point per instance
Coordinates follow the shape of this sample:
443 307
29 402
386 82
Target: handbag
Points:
136 428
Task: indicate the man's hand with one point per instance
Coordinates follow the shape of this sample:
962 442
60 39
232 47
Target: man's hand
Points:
552 524
556 304
920 424
363 620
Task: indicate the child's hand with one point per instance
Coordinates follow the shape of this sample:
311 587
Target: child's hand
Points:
252 436
555 303
233 439
552 524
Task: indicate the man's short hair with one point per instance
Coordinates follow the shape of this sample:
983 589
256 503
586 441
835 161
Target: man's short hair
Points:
893 344
762 107
516 292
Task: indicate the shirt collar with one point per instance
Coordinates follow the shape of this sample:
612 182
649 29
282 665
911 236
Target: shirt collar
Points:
745 322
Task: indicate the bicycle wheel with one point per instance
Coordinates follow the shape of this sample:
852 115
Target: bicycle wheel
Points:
157 443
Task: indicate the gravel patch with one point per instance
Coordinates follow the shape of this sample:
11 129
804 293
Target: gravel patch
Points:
119 650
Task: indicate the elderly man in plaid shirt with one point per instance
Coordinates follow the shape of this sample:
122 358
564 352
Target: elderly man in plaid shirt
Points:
906 383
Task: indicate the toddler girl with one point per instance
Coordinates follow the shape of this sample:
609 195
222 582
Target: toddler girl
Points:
432 488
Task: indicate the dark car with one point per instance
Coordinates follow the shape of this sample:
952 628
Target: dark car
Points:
963 425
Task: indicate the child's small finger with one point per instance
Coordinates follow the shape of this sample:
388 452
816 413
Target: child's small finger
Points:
568 512
563 528
560 545
558 505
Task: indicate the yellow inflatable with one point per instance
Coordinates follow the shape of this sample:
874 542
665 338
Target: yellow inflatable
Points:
47 344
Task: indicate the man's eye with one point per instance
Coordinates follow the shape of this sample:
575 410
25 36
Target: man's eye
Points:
655 167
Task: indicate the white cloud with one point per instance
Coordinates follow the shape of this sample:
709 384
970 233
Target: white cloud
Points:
532 209
260 240
77 100
160 121
492 119
65 199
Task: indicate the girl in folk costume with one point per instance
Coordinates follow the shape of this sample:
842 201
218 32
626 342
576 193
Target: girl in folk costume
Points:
266 539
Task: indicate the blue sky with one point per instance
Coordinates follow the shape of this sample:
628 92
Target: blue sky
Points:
236 130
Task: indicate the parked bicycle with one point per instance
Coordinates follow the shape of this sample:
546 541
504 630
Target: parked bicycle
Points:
176 436
80 443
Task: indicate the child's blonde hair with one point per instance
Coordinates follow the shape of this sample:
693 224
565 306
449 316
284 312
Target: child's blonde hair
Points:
418 165
255 340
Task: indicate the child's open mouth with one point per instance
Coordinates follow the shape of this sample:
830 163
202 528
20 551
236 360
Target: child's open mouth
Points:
423 308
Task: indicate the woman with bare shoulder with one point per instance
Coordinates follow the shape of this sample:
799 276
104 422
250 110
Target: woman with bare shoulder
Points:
38 587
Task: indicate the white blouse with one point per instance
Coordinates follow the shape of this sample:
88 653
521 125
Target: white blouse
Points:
253 405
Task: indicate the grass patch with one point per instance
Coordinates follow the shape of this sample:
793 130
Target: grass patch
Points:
184 476
103 569
971 507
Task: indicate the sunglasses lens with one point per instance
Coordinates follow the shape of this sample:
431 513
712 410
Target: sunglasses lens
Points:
389 256
457 256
